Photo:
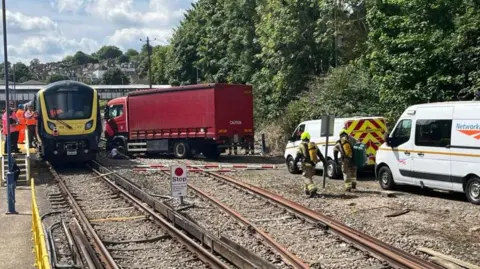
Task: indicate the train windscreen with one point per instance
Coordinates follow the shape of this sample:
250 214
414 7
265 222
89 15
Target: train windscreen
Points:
72 103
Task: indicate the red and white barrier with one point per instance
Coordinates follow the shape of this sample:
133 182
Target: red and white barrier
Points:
219 166
189 170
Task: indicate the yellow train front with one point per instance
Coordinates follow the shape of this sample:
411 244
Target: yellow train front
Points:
69 122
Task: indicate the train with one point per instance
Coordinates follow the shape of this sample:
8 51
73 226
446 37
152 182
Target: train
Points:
69 122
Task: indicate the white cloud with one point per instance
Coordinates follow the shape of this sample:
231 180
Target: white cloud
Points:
130 37
54 47
68 5
127 13
20 23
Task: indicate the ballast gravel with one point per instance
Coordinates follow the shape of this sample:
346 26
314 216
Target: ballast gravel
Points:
441 221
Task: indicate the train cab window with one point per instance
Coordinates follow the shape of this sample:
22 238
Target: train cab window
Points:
69 103
115 111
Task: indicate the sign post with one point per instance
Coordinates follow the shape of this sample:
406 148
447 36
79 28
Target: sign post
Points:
328 122
10 175
179 181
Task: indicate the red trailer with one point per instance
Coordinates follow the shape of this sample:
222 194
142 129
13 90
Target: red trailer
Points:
185 120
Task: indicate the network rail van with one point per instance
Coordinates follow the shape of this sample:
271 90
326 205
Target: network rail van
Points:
368 130
434 146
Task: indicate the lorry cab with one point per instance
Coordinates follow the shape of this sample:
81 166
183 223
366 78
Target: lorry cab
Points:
116 124
435 146
368 130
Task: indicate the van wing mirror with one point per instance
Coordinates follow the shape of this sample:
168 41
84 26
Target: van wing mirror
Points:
387 139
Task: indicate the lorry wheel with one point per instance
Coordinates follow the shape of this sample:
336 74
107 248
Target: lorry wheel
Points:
385 178
292 168
473 190
181 150
332 170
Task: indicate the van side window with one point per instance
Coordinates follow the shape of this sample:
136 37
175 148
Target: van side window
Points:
402 132
433 133
298 132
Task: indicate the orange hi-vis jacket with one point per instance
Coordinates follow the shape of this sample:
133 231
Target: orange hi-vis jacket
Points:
30 118
20 117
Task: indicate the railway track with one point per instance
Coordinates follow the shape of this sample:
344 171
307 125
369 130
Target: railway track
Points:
268 212
122 224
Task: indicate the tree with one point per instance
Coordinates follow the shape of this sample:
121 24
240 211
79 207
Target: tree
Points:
56 77
131 53
22 73
182 56
159 63
35 62
80 58
108 52
115 77
423 52
123 59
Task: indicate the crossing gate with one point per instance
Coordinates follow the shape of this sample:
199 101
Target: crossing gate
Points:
209 166
41 255
189 170
370 132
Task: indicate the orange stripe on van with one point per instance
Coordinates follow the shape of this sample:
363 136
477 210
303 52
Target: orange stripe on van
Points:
432 152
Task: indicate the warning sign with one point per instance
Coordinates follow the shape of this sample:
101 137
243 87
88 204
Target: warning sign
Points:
179 180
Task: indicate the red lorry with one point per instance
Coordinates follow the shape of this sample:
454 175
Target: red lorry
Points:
184 120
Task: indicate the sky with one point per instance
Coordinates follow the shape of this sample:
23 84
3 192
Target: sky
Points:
49 30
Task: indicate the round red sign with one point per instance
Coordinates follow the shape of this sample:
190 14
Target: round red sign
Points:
178 172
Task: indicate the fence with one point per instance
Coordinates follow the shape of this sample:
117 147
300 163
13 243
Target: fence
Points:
41 254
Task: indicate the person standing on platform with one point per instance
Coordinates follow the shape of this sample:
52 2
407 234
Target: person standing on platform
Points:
31 123
13 130
21 124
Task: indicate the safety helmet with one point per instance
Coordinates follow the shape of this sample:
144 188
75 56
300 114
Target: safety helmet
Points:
343 131
20 106
305 136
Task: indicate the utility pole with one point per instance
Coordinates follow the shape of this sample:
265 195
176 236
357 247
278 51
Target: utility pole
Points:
10 175
336 36
149 52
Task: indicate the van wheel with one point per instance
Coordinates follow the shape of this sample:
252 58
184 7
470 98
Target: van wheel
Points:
332 170
181 150
385 178
292 168
473 190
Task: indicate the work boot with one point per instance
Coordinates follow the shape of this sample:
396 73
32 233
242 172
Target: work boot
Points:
354 185
348 189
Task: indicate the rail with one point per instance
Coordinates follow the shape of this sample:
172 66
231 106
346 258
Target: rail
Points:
41 255
234 253
394 256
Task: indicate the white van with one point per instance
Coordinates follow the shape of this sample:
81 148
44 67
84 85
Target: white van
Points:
435 146
368 130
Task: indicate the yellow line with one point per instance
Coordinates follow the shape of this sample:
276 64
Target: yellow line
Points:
432 152
118 219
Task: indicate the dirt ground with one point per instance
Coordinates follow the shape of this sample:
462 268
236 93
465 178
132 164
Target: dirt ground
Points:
441 221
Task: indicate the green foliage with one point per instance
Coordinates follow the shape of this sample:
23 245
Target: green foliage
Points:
346 91
123 59
424 52
108 52
22 73
115 77
56 77
131 53
80 58
159 60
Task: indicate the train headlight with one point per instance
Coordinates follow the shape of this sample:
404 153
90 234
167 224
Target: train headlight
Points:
89 125
51 125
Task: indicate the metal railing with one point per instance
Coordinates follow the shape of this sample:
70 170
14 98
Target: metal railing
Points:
41 255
